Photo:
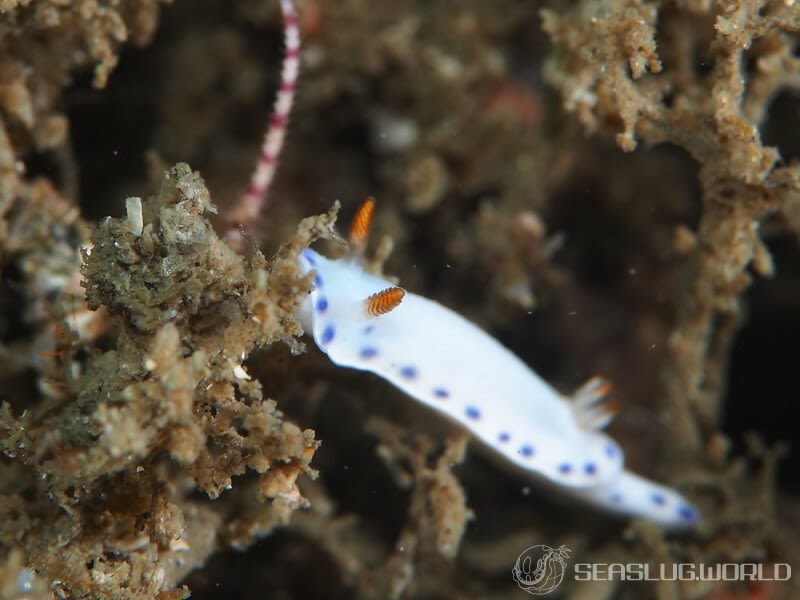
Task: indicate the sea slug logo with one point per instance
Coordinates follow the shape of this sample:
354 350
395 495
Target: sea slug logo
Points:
540 569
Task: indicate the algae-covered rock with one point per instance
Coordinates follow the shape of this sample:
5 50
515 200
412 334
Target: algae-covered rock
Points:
168 398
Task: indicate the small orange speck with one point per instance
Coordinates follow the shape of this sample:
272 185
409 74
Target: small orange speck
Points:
515 104
312 20
61 343
611 406
604 387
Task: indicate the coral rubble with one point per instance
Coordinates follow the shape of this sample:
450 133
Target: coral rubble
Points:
186 310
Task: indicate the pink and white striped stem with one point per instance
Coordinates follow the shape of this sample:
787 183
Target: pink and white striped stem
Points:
254 199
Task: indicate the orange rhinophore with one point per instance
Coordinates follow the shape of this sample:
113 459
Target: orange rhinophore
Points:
359 230
384 301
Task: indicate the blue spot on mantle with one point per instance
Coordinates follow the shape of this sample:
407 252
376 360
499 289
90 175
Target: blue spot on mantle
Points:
322 305
441 393
473 412
409 372
328 334
526 451
368 352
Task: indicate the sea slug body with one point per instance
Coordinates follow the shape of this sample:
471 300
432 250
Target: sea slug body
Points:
452 366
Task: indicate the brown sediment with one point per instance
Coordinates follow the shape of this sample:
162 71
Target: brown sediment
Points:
138 445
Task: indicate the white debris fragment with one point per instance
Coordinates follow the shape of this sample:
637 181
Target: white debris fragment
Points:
135 222
240 373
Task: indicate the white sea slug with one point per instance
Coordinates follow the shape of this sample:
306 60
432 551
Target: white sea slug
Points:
449 364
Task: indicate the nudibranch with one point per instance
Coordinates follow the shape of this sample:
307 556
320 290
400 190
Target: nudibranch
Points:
452 366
